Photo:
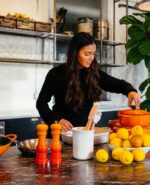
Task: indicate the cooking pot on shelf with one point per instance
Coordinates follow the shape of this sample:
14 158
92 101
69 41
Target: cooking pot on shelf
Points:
5 142
130 118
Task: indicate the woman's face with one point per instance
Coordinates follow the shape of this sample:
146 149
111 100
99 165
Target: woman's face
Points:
86 55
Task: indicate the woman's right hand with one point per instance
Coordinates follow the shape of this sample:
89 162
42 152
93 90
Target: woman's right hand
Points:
66 125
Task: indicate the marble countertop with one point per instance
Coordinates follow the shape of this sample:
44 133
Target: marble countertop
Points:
21 170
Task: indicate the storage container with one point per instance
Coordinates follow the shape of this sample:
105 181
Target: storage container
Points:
85 24
101 29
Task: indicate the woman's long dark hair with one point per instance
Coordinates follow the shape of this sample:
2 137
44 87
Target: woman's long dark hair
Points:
82 83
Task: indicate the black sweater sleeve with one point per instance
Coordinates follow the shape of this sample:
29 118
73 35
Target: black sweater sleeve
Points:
114 85
44 98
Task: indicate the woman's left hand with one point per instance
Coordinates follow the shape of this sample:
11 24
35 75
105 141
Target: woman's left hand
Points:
134 97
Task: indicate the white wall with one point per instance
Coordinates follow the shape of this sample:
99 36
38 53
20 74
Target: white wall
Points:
21 83
36 9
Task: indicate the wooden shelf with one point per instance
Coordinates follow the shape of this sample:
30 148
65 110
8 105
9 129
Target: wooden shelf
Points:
22 32
27 61
44 62
63 37
111 65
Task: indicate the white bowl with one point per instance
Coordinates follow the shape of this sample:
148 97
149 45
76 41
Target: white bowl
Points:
100 135
146 149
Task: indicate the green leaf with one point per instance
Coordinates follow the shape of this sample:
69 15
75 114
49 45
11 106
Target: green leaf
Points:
147 14
145 105
148 93
139 14
136 32
144 48
130 43
130 19
147 23
147 62
143 85
134 56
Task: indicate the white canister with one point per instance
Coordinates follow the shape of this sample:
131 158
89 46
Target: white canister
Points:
83 143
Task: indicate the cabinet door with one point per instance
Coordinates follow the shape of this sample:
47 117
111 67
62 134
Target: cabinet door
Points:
24 128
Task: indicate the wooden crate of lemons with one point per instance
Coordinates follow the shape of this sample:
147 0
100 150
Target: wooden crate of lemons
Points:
126 145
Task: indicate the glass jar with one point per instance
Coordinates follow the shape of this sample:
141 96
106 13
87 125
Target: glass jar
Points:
101 29
85 24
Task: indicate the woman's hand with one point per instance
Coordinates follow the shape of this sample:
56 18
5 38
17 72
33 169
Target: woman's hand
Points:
134 97
66 125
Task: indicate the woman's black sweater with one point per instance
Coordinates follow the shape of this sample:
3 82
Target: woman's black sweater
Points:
55 86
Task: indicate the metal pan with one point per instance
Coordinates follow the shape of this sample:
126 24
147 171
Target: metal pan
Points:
28 147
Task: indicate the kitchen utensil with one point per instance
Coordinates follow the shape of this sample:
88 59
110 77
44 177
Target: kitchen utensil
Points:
83 143
28 147
5 142
100 135
130 118
93 111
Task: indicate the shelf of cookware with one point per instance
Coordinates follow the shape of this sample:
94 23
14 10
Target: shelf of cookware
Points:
45 62
15 31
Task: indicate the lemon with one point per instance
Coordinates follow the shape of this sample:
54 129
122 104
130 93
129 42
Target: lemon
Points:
146 140
102 155
138 154
126 157
112 135
116 153
122 133
116 142
136 141
137 130
126 143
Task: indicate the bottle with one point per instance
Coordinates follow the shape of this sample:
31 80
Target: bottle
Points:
55 147
42 148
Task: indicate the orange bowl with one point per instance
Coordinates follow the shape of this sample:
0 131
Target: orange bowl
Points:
5 142
130 118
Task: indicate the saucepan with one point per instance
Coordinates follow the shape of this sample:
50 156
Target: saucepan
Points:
130 118
5 142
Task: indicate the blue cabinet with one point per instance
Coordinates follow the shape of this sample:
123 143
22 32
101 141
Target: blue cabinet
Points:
24 128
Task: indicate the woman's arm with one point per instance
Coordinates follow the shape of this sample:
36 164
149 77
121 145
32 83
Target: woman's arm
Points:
111 84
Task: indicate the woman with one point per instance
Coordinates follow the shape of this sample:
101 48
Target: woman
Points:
78 83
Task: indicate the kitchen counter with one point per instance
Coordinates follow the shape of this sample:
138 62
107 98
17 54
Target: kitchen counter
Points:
22 170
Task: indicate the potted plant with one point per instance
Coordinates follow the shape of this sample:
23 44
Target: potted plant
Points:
138 48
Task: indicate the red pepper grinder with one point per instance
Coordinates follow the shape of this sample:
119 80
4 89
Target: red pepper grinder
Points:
55 147
42 148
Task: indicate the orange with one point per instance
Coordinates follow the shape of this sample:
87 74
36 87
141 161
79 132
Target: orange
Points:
136 141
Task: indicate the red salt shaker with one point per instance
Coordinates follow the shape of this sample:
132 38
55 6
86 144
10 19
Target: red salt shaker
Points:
55 147
42 148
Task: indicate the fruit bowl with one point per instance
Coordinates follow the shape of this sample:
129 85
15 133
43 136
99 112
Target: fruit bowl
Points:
115 125
145 149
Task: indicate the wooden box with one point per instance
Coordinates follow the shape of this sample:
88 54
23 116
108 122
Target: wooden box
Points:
27 25
41 26
8 22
